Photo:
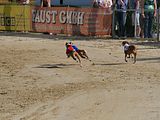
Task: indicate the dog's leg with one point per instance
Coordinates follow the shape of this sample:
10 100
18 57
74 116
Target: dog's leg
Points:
76 54
74 58
85 54
81 55
129 55
135 55
126 57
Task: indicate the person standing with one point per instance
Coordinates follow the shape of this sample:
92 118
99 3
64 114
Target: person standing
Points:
136 18
149 11
24 2
121 16
45 3
158 4
102 3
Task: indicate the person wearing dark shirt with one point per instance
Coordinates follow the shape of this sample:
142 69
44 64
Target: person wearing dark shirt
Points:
121 16
149 11
45 3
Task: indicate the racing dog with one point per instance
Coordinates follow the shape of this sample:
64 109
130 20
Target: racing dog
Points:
129 50
82 53
71 52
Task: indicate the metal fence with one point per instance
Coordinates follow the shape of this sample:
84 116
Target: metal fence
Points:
131 29
158 25
6 13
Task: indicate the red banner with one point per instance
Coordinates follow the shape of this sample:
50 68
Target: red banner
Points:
72 21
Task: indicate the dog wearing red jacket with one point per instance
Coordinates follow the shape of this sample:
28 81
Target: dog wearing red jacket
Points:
82 53
129 50
71 52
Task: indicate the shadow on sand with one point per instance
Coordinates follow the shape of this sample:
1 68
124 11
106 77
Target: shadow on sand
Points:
109 64
149 59
61 65
150 44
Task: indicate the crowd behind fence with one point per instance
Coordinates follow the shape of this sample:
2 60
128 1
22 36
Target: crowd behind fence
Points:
131 30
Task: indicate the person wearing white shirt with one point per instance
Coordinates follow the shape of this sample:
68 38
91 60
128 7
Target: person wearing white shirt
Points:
103 3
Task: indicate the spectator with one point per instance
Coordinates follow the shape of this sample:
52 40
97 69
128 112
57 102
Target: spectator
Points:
149 11
121 16
61 2
107 3
158 3
131 4
45 3
102 3
136 17
95 4
24 2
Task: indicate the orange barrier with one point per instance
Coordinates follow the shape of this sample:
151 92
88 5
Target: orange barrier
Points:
72 21
57 20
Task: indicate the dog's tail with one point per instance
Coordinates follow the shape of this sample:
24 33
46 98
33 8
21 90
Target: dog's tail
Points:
135 57
135 54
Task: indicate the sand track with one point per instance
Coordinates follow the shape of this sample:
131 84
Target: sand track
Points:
38 82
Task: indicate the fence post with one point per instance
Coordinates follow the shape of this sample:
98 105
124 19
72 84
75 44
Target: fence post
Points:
158 17
113 23
135 22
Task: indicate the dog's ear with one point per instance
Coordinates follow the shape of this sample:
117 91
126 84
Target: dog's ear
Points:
125 42
66 44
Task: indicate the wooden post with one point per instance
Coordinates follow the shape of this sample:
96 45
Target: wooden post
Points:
158 17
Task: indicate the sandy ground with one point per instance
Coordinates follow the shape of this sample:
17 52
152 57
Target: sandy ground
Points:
38 81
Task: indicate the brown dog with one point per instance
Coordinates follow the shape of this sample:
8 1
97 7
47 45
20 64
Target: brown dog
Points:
82 53
71 52
129 50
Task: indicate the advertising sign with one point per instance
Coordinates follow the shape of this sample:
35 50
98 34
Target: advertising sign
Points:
15 17
70 20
